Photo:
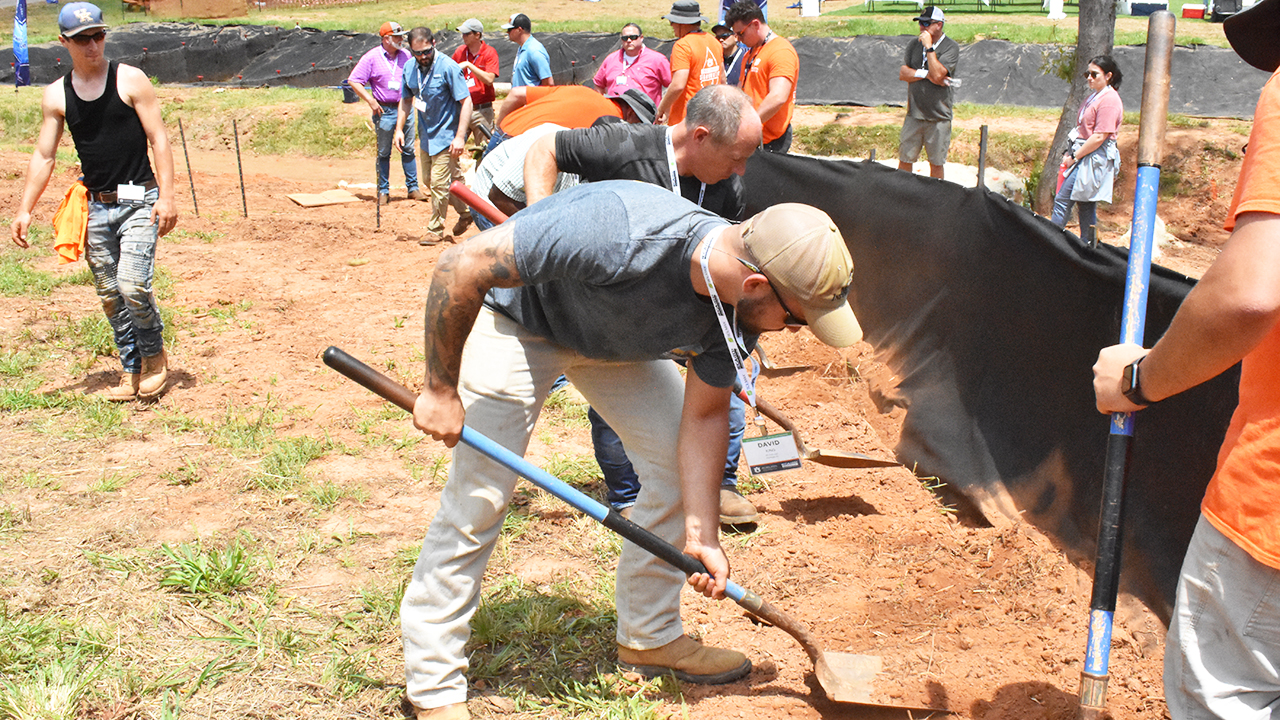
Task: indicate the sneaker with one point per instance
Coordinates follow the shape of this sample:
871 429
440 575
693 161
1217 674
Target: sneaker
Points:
155 376
735 509
126 391
464 222
687 659
384 199
456 711
417 195
430 239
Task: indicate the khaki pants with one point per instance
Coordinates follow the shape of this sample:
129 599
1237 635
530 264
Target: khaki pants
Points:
442 169
505 376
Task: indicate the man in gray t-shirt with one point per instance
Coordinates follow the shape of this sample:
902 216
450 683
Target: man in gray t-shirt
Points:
603 282
928 68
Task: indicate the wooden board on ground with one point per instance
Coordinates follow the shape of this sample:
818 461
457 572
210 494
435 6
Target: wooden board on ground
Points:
328 197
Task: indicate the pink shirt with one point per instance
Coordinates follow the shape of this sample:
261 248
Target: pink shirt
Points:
381 74
650 73
1102 113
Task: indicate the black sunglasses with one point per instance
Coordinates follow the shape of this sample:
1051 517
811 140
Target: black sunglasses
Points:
925 23
423 53
1093 74
86 39
790 319
630 37
724 36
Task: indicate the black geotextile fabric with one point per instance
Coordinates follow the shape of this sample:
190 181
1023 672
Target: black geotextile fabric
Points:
991 318
836 71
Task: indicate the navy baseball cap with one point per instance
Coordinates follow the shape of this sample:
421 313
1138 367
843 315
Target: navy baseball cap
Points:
77 17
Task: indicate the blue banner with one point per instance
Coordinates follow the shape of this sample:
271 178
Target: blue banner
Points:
21 65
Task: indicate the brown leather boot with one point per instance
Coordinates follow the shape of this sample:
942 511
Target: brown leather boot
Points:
688 660
126 391
456 711
155 376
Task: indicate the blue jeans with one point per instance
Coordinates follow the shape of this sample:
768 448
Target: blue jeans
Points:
620 478
497 138
120 247
1062 203
408 161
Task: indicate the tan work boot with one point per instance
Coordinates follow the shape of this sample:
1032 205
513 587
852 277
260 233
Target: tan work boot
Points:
155 376
464 222
456 711
418 195
735 509
687 659
126 391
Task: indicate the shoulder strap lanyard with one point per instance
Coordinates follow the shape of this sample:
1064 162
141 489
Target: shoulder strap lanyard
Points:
675 174
736 350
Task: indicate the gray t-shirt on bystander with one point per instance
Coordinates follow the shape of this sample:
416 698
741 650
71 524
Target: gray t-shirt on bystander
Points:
606 268
926 101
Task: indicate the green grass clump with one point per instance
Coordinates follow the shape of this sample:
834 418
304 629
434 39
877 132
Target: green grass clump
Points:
321 131
848 140
282 467
192 569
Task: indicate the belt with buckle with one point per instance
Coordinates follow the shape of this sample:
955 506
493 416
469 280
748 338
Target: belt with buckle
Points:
483 106
110 197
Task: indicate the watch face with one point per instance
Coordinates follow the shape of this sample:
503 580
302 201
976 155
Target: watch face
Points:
1127 380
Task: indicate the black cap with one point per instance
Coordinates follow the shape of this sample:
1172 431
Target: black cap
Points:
519 20
640 103
1255 35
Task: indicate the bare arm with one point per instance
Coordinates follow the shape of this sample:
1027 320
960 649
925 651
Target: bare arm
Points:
1092 143
547 81
367 97
504 202
907 74
1224 317
485 78
540 169
704 439
937 71
464 126
679 79
43 158
779 94
516 99
402 116
463 275
138 87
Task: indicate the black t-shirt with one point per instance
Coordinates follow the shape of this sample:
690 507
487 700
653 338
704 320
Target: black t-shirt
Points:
639 152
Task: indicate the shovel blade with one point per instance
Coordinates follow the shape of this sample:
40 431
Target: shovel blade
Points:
838 459
860 679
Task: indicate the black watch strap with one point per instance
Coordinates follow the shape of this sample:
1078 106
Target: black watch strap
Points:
1131 383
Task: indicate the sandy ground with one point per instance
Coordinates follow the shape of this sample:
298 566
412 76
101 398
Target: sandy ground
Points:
989 620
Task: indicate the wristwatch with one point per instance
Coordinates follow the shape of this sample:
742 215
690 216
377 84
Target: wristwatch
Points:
1131 383
928 49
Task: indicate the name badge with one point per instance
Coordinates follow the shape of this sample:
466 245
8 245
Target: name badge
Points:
130 194
622 80
394 84
472 81
420 105
771 453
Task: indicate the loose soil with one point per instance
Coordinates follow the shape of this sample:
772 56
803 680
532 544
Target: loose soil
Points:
994 617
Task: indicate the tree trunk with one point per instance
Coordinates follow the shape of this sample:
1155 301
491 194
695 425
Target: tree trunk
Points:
1096 34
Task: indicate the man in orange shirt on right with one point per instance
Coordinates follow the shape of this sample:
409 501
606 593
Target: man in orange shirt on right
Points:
769 72
1222 652
697 61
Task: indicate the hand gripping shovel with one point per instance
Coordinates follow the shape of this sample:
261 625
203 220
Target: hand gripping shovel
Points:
845 677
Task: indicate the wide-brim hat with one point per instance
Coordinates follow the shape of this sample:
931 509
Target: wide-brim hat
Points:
685 12
639 103
801 251
77 17
1255 35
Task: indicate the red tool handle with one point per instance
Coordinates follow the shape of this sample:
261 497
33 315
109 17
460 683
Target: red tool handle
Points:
479 204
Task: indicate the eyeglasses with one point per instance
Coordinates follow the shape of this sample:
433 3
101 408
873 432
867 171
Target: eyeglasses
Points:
725 36
1093 74
629 38
423 53
86 39
925 23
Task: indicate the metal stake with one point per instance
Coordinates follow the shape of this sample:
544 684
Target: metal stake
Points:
239 168
190 178
982 158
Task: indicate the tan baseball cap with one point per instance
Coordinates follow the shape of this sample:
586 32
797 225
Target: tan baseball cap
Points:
801 251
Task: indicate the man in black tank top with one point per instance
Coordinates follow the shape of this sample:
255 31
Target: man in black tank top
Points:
113 115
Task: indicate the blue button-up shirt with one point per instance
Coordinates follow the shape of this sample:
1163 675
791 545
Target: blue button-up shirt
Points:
441 91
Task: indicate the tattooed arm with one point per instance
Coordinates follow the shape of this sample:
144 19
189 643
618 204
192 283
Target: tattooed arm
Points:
463 275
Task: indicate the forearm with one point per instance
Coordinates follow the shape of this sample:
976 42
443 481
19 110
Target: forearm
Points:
678 80
39 170
462 277
365 96
937 71
163 153
540 169
1093 142
464 122
772 103
700 452
1226 315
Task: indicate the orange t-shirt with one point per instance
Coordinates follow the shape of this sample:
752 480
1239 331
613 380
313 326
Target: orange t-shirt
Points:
701 54
569 106
775 58
1241 498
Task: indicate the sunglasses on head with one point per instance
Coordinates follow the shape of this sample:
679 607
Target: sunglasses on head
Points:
630 37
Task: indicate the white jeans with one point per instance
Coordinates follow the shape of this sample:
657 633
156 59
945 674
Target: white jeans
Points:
1222 653
505 376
